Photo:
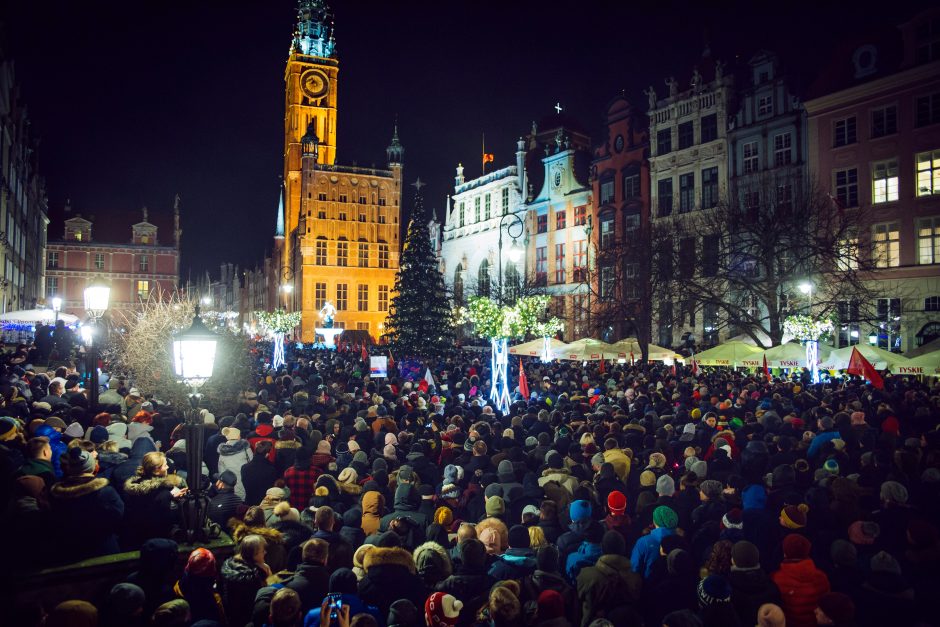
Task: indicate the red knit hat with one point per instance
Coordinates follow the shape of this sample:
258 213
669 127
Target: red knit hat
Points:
441 609
201 563
796 547
616 502
550 605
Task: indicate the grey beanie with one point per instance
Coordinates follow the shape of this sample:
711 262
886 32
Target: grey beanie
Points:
883 562
700 468
665 486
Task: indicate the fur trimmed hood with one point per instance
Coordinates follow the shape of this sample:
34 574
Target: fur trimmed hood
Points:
138 486
77 487
393 556
286 444
349 488
431 555
240 530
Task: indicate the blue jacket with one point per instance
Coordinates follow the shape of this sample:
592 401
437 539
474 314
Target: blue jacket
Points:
513 564
356 606
59 448
586 555
816 445
646 550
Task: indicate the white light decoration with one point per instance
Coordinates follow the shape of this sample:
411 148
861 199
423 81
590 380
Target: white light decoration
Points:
194 353
97 296
56 304
808 330
88 334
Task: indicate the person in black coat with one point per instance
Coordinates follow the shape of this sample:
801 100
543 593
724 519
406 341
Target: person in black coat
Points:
242 576
127 469
677 591
210 454
470 584
155 571
150 500
93 509
258 475
390 575
751 587
311 579
225 503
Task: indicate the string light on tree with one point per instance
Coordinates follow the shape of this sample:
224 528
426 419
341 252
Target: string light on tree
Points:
278 323
809 331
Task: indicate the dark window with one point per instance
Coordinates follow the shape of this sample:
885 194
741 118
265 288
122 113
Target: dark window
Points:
884 121
607 191
709 128
710 255
932 303
664 261
665 323
710 323
541 223
664 141
709 187
631 185
686 137
928 109
687 257
541 266
844 132
847 187
607 230
664 200
686 192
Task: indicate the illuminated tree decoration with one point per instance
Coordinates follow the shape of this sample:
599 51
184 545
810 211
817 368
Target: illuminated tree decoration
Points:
278 323
809 331
499 324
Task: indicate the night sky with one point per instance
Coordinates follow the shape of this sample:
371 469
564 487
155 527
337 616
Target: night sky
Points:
136 101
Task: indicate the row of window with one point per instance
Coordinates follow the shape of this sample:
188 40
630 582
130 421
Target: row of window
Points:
685 134
884 120
885 185
561 219
782 155
666 202
343 197
631 187
142 288
485 206
52 261
343 216
341 302
579 263
342 254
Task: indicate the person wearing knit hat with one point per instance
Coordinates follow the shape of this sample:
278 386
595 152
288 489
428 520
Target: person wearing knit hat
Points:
616 503
700 468
77 461
125 604
733 519
665 517
744 556
835 608
646 549
800 582
843 554
665 486
73 614
794 516
74 430
495 507
831 466
893 493
713 590
647 479
884 562
770 615
444 516
442 610
863 532
657 461
172 614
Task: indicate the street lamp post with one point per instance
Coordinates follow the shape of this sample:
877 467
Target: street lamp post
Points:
56 307
515 253
812 344
588 227
193 362
807 288
97 298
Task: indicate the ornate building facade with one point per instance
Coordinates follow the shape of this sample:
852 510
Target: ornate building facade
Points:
338 226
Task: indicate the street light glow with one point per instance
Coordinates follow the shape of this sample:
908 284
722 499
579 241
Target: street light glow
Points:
56 304
515 253
287 288
806 287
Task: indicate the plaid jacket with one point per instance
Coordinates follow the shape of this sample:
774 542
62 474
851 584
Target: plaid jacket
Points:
300 482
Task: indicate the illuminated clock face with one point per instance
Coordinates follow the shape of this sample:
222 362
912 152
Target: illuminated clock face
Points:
557 178
314 84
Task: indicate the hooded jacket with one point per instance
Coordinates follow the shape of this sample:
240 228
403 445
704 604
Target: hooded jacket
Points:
407 502
513 564
373 504
646 550
276 556
240 583
607 584
151 510
94 512
801 585
232 456
390 575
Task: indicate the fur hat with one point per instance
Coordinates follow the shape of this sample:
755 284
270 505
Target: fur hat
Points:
442 609
647 479
231 434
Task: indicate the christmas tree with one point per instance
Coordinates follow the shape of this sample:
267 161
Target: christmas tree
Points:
419 320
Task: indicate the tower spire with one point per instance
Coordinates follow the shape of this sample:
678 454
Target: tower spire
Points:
395 151
279 228
313 34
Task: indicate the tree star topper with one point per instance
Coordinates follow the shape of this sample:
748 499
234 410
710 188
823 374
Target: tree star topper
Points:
418 184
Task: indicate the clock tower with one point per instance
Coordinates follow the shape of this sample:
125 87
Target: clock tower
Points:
310 100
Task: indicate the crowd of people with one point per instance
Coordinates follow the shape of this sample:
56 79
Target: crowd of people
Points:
628 495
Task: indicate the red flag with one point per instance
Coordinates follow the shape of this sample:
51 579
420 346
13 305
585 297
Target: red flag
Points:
523 382
631 358
766 369
860 366
672 369
391 360
694 366
601 369
365 353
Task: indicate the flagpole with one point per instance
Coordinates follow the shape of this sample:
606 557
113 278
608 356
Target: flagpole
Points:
483 143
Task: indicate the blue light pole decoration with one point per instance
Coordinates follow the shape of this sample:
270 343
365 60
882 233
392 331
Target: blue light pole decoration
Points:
809 331
278 323
499 324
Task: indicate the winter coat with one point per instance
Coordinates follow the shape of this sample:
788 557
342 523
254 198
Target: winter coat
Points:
356 607
285 453
646 550
311 582
406 505
124 471
204 602
886 599
561 476
586 555
541 580
276 556
151 509
240 583
569 541
751 588
108 461
232 456
471 588
513 564
619 460
93 511
223 506
390 575
373 506
607 584
256 477
59 447
801 585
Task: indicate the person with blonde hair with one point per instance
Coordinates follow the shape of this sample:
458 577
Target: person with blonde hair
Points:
536 537
243 575
151 500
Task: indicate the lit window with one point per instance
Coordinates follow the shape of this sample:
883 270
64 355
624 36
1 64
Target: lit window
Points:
631 186
383 298
561 219
362 326
541 265
321 253
52 260
486 207
52 286
383 255
687 192
709 187
461 214
751 158
99 261
541 223
607 230
928 173
483 279
319 296
143 290
783 153
580 215
362 297
579 260
559 263
848 253
928 240
342 253
885 181
363 255
886 245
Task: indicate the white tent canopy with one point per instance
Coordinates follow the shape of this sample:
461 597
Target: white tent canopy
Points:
732 353
585 349
927 364
630 345
879 358
37 315
534 348
790 355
